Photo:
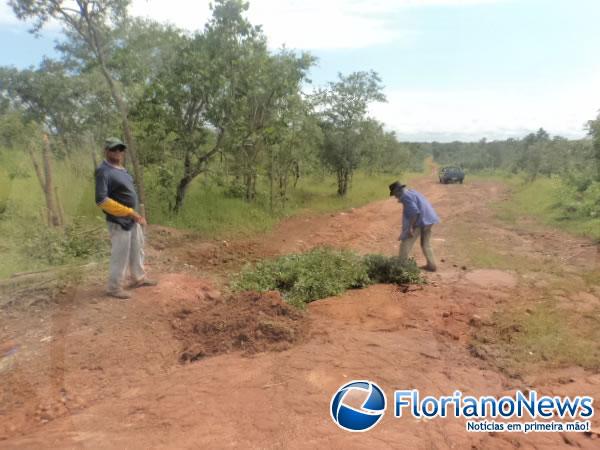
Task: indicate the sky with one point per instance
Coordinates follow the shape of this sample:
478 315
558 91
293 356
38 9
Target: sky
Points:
452 69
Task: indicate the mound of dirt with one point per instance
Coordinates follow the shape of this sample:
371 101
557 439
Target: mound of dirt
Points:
249 321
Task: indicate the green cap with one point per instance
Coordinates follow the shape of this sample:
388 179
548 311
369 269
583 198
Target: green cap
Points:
112 143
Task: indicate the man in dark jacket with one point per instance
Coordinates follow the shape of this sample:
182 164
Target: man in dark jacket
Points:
116 195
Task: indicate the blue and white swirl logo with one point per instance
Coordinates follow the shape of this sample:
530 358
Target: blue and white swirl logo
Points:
358 405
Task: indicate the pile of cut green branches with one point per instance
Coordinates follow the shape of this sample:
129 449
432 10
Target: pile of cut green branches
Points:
324 272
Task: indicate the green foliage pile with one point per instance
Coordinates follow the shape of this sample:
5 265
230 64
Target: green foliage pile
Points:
303 278
323 272
384 269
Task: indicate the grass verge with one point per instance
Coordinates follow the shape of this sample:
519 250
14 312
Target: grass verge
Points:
540 335
213 213
548 200
550 331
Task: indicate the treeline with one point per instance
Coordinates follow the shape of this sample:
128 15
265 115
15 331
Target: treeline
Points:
217 102
575 162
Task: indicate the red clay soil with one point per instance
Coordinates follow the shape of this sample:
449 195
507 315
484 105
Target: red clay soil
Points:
96 373
248 321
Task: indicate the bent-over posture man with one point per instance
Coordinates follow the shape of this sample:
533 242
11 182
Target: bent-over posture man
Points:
116 195
418 218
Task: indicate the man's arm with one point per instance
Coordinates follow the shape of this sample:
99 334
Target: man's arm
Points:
111 206
114 208
411 210
413 222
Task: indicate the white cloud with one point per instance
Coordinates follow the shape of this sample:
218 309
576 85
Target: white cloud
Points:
7 17
428 114
472 115
303 24
308 24
9 22
300 24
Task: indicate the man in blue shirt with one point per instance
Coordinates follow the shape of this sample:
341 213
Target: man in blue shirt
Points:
418 218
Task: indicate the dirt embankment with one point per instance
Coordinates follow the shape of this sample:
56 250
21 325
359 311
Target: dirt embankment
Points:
89 372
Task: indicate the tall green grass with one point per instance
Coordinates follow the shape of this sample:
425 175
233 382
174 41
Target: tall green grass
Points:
547 199
207 210
22 207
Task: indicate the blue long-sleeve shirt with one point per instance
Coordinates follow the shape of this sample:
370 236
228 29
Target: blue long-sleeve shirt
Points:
414 204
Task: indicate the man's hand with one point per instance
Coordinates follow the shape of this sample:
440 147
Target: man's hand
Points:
411 233
139 219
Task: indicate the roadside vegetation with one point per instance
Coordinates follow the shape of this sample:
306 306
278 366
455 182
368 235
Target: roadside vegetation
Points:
552 179
224 135
526 336
213 211
551 182
553 201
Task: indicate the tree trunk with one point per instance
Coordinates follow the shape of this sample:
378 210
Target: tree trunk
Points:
94 160
296 171
122 107
182 188
46 183
250 184
128 135
191 172
53 215
59 208
343 181
283 183
36 166
271 176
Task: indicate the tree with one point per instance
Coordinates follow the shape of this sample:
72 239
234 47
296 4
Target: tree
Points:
270 107
344 122
193 100
594 131
94 22
69 105
223 93
291 142
45 177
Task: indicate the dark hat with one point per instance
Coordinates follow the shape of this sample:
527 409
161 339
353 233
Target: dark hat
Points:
113 143
394 186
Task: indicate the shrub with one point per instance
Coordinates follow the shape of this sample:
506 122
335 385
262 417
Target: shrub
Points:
77 241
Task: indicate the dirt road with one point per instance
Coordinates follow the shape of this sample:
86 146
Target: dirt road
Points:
93 373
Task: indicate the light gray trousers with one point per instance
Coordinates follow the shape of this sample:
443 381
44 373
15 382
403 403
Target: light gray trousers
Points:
407 244
127 252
